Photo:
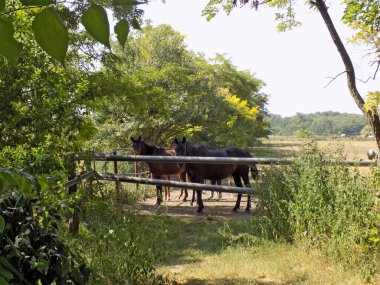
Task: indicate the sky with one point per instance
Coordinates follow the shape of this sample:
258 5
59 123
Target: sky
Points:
295 65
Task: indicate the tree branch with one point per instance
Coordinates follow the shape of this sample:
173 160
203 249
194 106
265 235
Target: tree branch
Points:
374 75
333 78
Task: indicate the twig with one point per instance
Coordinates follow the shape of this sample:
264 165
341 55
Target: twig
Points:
333 78
374 75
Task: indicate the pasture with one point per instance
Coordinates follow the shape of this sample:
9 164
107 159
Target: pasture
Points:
218 247
285 147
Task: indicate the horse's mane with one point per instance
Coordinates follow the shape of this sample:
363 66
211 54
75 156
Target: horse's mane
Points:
195 149
154 149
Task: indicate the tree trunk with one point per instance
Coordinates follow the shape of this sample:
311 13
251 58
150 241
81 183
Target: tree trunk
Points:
373 117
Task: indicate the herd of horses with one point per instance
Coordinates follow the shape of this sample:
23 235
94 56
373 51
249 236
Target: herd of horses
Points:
197 173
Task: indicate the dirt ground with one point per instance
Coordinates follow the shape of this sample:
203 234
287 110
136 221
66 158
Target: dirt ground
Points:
220 209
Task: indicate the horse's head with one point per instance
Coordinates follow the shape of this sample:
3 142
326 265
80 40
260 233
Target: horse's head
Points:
180 147
137 145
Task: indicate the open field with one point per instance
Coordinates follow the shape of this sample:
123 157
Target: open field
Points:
352 149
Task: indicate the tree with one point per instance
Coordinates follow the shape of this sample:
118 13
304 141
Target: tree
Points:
362 15
54 23
159 89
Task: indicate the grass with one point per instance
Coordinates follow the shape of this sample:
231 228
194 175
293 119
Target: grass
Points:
265 264
198 254
353 149
197 249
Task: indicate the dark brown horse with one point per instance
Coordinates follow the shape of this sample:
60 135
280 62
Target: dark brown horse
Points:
199 172
159 170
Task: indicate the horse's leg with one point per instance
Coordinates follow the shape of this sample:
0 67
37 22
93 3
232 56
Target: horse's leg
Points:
238 184
183 178
159 191
219 182
199 197
200 201
247 184
213 182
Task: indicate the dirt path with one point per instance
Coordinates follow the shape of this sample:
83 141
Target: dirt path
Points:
214 208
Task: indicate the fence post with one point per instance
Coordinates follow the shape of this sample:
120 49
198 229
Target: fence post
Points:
116 171
137 173
74 220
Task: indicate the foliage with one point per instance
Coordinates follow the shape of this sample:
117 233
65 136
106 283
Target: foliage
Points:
326 204
321 124
119 247
44 106
53 22
158 89
31 250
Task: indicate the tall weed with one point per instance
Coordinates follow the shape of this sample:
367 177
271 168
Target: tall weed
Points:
326 204
117 247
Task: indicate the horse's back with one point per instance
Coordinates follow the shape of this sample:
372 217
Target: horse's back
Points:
229 152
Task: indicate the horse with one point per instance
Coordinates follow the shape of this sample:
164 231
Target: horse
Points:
216 182
159 170
199 172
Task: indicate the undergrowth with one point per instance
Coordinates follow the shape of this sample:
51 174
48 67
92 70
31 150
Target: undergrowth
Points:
118 246
325 204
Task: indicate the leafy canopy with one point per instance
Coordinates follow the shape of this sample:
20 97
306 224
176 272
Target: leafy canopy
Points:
158 88
53 22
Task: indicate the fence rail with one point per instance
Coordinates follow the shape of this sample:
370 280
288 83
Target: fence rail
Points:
170 183
212 160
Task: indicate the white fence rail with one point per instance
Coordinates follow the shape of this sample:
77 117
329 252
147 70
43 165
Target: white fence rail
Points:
170 183
211 160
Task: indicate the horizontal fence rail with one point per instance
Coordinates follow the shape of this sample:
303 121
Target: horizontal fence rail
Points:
170 183
78 179
212 160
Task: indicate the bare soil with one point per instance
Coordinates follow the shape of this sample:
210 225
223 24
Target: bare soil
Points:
220 209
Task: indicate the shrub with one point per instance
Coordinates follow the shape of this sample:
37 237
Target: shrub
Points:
31 251
120 248
325 203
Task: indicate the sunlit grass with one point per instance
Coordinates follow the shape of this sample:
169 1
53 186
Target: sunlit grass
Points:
267 263
352 149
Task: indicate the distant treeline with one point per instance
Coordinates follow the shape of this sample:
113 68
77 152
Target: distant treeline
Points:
322 124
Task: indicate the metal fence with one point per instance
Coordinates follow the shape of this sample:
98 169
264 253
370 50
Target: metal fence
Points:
193 159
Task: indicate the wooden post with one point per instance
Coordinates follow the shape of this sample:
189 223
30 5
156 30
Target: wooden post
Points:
74 220
116 171
137 173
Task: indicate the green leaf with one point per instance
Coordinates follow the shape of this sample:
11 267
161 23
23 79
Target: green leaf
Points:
96 23
5 263
36 2
3 281
122 31
135 24
51 34
2 225
6 273
2 5
9 47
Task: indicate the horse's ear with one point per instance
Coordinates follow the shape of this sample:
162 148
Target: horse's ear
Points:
183 140
132 139
139 139
175 140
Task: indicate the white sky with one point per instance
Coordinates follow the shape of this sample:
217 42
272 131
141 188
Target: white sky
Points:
295 65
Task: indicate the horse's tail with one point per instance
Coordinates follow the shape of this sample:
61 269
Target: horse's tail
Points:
254 172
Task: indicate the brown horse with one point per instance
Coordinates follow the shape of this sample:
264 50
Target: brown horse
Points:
159 170
199 172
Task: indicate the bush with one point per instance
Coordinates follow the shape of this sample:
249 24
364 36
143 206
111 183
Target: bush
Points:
120 248
327 204
31 251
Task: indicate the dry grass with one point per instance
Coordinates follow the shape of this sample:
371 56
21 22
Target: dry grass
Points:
275 264
353 149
